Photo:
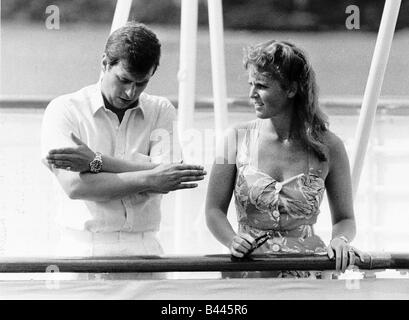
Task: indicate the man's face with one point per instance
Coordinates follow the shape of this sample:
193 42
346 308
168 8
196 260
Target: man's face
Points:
120 87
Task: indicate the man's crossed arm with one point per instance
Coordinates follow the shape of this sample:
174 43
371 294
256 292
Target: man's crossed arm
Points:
119 178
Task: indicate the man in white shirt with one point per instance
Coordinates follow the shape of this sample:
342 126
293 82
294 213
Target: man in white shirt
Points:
111 147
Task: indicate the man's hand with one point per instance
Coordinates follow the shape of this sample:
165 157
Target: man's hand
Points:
74 159
170 177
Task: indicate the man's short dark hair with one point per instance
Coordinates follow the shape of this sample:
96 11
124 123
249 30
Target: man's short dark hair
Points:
136 46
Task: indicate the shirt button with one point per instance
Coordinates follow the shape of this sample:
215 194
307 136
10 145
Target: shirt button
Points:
275 247
276 213
278 187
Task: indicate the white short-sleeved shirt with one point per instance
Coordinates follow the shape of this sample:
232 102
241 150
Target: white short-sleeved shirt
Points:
145 134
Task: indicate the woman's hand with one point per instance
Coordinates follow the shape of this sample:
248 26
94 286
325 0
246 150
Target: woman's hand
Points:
74 159
345 255
241 244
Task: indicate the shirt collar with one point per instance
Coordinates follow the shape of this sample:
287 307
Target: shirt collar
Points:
97 102
96 98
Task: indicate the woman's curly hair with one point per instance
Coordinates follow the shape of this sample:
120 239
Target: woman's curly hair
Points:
285 62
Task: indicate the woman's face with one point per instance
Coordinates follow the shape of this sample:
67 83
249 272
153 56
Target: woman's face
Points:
267 96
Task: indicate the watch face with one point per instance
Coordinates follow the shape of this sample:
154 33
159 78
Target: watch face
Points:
95 165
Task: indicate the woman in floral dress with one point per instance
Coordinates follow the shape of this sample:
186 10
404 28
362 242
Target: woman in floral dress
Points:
279 165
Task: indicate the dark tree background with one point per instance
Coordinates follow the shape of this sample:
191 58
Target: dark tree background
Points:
313 15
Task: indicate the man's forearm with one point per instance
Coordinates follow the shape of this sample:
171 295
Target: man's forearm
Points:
107 186
115 165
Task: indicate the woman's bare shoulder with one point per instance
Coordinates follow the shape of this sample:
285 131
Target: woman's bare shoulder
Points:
245 125
332 141
232 137
238 127
336 147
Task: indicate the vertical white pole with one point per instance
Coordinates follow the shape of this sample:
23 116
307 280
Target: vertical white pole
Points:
187 64
373 87
1 49
218 64
186 99
121 14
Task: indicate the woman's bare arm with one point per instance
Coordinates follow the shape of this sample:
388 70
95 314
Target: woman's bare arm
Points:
339 191
219 193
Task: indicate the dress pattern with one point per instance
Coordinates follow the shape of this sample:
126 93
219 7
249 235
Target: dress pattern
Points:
287 210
